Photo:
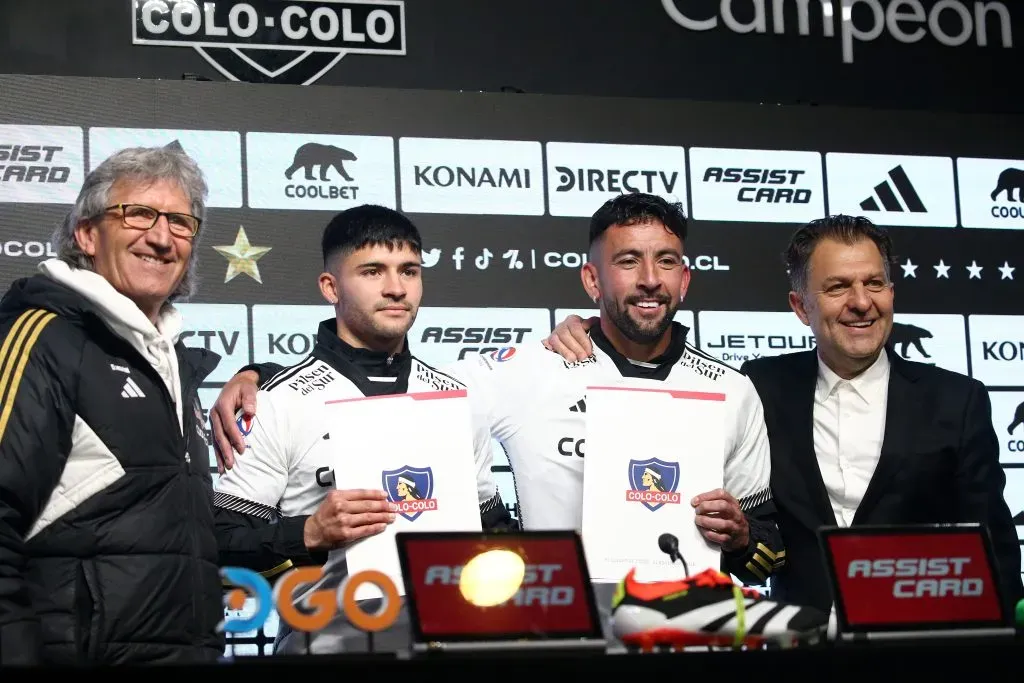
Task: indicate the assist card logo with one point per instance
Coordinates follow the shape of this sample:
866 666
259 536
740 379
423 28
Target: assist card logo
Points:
653 482
411 490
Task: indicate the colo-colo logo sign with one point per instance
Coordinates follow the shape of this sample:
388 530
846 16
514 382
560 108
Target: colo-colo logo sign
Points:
949 22
270 40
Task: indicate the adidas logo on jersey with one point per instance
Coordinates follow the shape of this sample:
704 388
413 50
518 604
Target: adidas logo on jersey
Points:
579 406
131 389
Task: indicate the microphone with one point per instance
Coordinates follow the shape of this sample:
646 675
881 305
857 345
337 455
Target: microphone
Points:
669 545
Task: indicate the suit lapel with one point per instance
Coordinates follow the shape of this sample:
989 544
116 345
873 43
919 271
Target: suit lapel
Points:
902 417
803 438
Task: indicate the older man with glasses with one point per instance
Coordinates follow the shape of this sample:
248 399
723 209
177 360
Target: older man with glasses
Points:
107 545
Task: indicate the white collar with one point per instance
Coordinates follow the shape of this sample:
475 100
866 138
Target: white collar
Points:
114 306
877 373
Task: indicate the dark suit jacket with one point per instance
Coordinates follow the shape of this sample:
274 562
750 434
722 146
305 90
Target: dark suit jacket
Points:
939 464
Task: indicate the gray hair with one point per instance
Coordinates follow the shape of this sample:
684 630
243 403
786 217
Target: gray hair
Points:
141 165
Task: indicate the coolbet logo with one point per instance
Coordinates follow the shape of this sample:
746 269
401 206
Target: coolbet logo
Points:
756 185
410 489
320 606
935 339
893 190
40 164
904 336
949 22
471 176
269 40
653 482
320 172
582 176
991 193
1008 423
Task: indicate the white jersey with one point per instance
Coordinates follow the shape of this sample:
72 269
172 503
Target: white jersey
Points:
284 471
535 403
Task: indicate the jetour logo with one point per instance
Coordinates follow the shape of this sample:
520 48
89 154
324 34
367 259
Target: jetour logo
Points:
950 22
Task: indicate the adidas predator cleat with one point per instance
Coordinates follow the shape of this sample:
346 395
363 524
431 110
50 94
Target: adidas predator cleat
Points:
707 609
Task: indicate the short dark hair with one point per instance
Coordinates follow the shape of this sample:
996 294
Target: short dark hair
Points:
636 207
841 228
368 225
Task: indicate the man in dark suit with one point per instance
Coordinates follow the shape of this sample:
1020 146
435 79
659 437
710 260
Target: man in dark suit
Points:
858 434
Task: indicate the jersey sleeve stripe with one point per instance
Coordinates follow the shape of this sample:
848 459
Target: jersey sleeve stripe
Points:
226 501
287 373
753 500
268 573
14 356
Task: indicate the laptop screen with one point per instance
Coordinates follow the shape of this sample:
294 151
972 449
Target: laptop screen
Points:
913 578
471 586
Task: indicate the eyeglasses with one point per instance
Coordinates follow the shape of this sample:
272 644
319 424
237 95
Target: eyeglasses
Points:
841 289
142 217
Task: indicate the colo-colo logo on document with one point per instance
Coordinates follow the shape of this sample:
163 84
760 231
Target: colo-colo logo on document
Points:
410 490
270 40
653 483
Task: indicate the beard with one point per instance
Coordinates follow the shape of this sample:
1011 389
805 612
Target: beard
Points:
368 326
641 331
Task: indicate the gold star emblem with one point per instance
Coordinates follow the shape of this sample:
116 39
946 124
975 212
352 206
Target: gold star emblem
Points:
242 257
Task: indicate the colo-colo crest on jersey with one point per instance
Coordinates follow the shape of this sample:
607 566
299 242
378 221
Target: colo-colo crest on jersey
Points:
411 489
653 482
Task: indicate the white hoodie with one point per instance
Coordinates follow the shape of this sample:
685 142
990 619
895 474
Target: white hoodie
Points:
126 319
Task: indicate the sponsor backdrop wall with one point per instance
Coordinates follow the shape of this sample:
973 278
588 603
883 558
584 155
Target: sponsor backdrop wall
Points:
502 186
921 54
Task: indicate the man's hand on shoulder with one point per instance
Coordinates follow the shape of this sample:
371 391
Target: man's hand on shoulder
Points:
570 338
346 516
238 393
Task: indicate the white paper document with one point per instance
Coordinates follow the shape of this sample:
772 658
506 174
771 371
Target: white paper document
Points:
419 449
650 450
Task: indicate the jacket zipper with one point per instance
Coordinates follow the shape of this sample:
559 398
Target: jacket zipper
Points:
186 418
182 441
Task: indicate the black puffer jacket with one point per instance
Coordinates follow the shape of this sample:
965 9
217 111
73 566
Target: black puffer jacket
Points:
107 546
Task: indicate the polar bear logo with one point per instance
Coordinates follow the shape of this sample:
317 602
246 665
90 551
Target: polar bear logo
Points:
314 154
1009 180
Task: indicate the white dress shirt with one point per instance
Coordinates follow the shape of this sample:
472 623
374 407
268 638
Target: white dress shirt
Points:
849 424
